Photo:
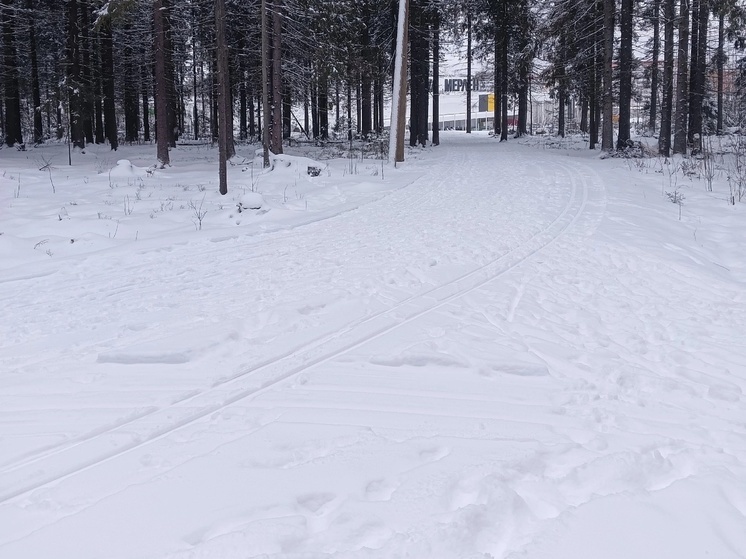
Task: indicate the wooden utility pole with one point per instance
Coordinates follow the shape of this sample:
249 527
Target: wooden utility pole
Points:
468 69
399 108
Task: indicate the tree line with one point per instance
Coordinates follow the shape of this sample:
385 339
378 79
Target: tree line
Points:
98 71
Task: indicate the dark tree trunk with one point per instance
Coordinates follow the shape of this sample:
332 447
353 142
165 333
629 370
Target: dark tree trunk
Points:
496 105
698 69
522 125
625 74
607 130
349 105
195 111
366 108
275 126
316 125
381 80
13 132
594 86
224 95
694 6
107 72
265 61
323 102
170 80
358 107
242 109
561 87
664 138
561 101
436 75
584 114
131 98
655 20
161 88
252 123
420 67
98 92
144 79
682 82
74 85
720 65
504 73
287 115
88 106
35 89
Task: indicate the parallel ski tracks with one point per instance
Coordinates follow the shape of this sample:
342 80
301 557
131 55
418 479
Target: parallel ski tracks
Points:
105 444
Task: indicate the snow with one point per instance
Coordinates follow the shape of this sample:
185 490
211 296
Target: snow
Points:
499 350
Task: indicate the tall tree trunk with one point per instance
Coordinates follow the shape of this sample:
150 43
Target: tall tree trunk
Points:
107 72
74 85
436 75
366 109
625 74
316 125
161 88
381 81
144 79
655 21
720 65
399 96
224 95
131 97
419 77
561 87
252 124
287 115
496 105
682 82
584 113
13 132
698 70
323 104
504 73
98 94
35 89
170 76
242 109
275 108
694 6
88 106
265 59
664 137
349 104
607 130
594 86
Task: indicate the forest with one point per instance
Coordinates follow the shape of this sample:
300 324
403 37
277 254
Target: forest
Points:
129 71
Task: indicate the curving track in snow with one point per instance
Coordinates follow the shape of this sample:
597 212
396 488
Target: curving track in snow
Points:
466 368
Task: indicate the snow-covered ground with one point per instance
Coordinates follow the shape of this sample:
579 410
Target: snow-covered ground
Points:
495 351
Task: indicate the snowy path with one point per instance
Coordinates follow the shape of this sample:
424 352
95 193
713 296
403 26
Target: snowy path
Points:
484 362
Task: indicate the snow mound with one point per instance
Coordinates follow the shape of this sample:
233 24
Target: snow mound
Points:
294 164
250 201
124 168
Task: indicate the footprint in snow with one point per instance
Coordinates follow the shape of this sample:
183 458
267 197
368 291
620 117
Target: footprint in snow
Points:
380 490
315 502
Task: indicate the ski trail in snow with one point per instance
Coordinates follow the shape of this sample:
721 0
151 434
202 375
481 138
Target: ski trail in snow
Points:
153 425
531 387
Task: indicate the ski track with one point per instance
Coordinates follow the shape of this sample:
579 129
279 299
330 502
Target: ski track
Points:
558 407
279 368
